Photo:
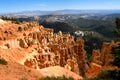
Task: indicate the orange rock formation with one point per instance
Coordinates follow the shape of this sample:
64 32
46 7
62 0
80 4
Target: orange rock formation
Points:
40 48
37 47
100 60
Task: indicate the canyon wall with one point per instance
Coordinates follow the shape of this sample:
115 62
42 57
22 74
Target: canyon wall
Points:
37 47
34 46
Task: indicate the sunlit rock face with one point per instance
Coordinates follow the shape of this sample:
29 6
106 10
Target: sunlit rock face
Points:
96 57
106 56
94 70
37 47
101 59
56 49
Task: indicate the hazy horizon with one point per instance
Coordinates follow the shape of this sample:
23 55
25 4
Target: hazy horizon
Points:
12 6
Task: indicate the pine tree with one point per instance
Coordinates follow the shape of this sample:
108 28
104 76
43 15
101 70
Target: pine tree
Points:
116 50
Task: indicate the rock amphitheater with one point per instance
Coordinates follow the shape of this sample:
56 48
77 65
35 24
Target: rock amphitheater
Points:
39 49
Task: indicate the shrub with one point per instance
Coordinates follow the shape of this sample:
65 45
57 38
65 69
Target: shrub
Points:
56 78
3 61
14 20
23 78
20 28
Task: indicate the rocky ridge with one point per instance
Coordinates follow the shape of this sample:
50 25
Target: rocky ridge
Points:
39 48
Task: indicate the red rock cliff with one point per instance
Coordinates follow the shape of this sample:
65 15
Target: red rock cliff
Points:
37 47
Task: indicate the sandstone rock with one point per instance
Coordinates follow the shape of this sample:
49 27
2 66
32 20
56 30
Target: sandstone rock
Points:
38 47
95 58
101 60
69 65
93 71
15 71
58 71
22 43
81 56
106 56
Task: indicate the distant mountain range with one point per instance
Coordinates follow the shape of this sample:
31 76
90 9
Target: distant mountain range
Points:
62 12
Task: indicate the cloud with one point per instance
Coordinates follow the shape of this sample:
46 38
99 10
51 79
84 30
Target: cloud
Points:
42 5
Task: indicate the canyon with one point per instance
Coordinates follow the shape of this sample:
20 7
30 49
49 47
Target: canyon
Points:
39 49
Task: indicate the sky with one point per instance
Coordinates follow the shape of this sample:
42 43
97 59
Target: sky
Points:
9 6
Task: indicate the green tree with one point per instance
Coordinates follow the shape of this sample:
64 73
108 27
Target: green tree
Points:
117 31
3 61
20 28
116 49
